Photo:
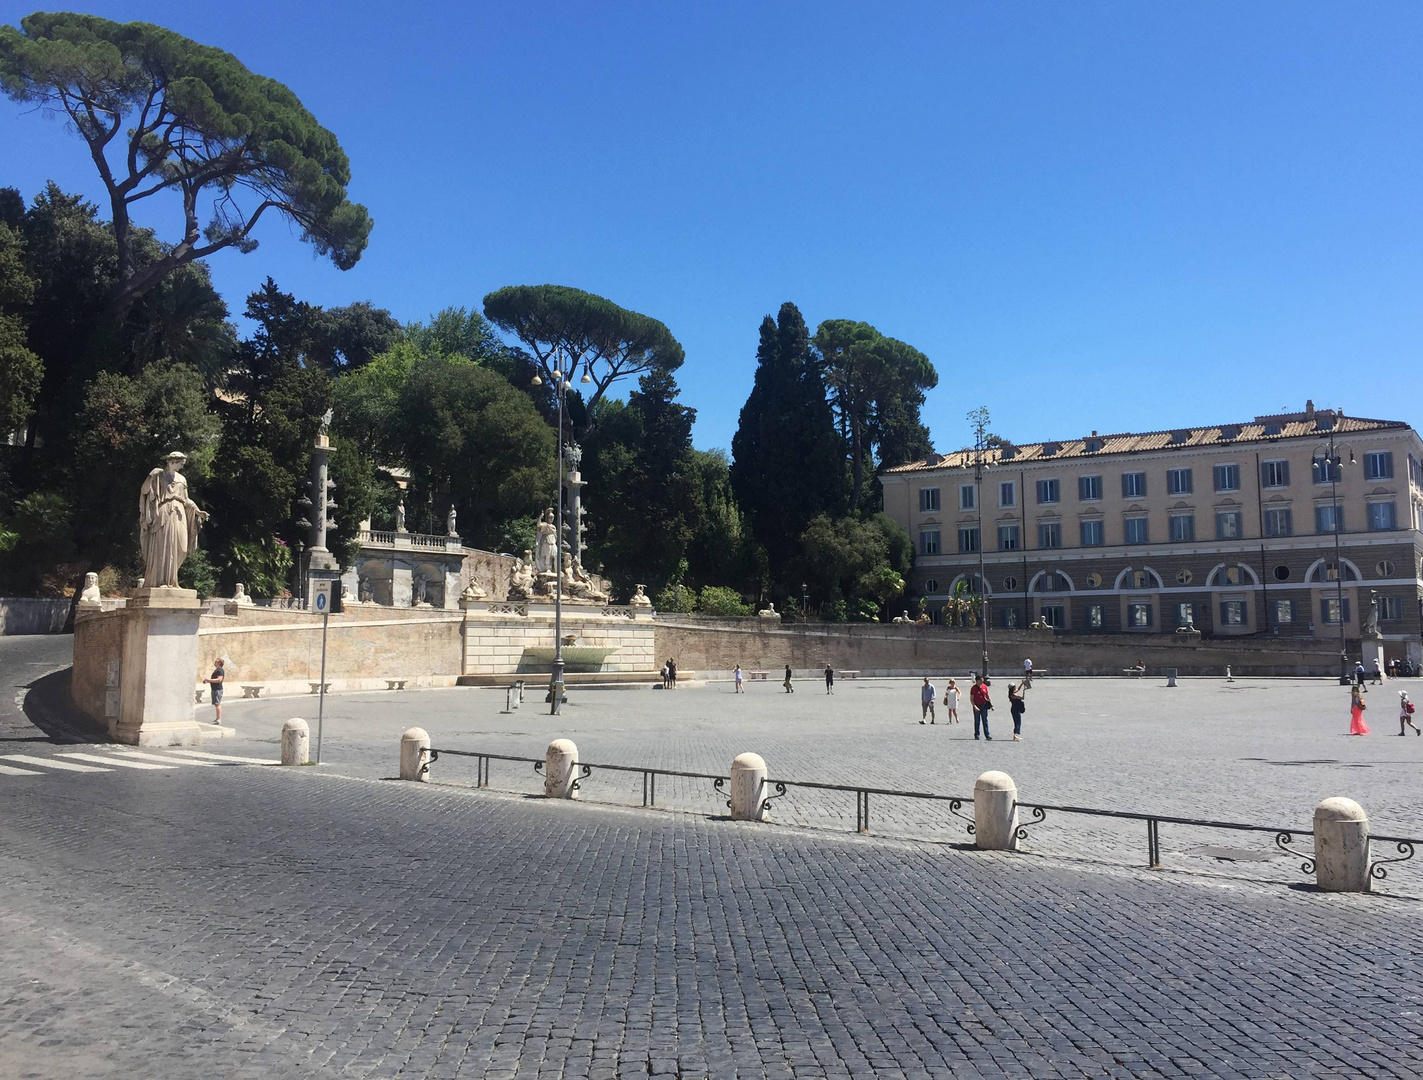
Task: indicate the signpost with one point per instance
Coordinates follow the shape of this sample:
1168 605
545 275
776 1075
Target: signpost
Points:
321 602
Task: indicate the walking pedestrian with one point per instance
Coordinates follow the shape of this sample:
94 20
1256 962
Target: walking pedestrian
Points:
926 700
215 680
951 701
1027 672
982 705
737 676
672 672
1378 672
1359 673
829 679
1405 714
666 678
1356 710
1016 705
790 688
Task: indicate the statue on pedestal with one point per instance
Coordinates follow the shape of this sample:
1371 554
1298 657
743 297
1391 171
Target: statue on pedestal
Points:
450 522
240 597
91 587
544 543
400 516
521 578
168 523
640 598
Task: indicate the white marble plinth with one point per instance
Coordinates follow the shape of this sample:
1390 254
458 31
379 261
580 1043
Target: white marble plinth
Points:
159 657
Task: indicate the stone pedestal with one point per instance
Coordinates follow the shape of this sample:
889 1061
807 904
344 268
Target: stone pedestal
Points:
414 750
296 741
995 812
159 660
1373 650
748 783
559 766
1341 846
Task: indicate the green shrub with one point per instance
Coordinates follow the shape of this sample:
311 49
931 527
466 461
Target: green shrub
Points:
719 600
677 598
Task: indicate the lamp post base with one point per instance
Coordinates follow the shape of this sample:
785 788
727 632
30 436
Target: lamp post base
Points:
556 694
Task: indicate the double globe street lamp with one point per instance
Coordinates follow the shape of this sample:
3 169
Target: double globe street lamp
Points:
560 382
1328 456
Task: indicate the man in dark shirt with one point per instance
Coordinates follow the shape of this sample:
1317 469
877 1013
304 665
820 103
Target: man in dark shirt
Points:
215 681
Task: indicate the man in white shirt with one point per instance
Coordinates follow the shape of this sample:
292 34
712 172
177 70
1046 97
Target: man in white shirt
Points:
1027 672
926 700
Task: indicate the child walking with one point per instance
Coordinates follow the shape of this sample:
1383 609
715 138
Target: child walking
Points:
1405 714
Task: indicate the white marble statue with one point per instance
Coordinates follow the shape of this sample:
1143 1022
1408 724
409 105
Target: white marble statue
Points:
544 544
473 592
521 577
91 587
400 516
422 591
640 598
168 523
450 522
769 611
364 592
239 595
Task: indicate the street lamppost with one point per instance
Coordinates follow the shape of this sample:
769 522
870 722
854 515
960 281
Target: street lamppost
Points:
555 683
1332 461
979 419
804 601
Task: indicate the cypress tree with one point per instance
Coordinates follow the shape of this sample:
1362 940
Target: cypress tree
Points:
788 461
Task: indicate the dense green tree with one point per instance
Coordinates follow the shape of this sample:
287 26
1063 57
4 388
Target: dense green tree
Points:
722 550
876 386
20 369
580 332
345 338
788 462
163 115
861 563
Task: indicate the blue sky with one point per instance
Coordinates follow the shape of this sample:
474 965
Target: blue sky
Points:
1102 216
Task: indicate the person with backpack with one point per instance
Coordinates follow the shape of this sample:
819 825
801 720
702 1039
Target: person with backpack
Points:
1405 714
982 705
1017 703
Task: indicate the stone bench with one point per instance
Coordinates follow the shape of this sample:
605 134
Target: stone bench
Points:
316 687
252 691
1132 672
392 684
854 674
758 676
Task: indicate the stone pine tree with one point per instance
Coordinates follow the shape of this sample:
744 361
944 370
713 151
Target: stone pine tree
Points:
788 462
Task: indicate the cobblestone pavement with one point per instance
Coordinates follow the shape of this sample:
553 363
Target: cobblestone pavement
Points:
1258 752
256 922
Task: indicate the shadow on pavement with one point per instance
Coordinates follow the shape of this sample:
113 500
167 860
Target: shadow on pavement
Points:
49 708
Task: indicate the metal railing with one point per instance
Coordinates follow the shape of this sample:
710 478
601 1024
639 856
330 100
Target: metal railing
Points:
1284 837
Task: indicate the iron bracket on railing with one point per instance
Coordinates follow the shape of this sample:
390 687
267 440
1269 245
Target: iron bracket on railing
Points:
1376 868
432 757
1283 839
780 791
587 772
955 805
1038 815
539 767
862 811
720 785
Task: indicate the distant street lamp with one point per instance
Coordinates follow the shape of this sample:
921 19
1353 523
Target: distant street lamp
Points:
1331 460
979 419
804 602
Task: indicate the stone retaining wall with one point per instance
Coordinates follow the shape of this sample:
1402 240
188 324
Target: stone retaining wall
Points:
716 646
33 614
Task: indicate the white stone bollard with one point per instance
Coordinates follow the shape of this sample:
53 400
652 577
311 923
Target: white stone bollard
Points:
559 764
1341 846
995 813
414 746
296 742
748 788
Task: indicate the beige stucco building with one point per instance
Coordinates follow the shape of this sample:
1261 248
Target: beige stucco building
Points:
1231 528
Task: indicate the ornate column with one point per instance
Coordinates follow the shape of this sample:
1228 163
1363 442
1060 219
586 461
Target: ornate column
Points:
321 565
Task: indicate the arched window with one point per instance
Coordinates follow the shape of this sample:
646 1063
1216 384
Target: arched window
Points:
1233 575
1323 570
1138 577
1050 581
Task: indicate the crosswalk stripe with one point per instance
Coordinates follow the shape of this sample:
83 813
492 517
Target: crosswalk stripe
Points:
52 763
166 759
116 759
225 757
10 770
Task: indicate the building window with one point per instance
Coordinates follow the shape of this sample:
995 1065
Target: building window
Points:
1048 491
1275 474
1133 485
1279 522
1384 568
1010 583
1178 481
928 500
1382 516
1007 493
1378 465
1094 580
1010 618
1183 527
928 541
1184 577
1009 538
1327 471
1328 518
1227 525
1094 616
1134 531
1089 488
1054 615
1282 572
966 496
1093 534
1232 612
1139 616
1049 534
968 539
1390 609
1227 477
1185 614
1284 612
1329 608
931 586
1233 575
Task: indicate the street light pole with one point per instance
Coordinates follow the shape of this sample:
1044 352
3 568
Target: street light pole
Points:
979 418
1335 463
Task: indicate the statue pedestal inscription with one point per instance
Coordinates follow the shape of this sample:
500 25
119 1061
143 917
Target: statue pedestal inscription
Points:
159 660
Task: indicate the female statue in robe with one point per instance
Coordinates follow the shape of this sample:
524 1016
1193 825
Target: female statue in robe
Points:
168 523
